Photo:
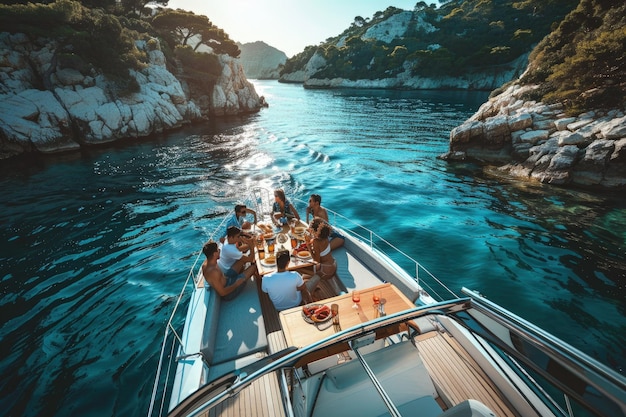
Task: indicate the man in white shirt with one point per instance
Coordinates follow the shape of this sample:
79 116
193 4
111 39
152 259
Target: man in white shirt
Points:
285 288
232 260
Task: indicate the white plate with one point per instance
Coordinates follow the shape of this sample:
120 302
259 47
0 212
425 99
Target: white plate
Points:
299 230
310 321
265 263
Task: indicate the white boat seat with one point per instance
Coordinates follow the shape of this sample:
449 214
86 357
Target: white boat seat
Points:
212 303
240 329
351 272
361 255
347 390
420 407
469 408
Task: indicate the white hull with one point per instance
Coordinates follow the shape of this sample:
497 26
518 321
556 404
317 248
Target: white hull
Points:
470 357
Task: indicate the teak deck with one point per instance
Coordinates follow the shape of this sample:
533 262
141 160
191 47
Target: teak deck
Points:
457 376
457 379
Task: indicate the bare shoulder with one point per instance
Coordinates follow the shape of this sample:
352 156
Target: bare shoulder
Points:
212 273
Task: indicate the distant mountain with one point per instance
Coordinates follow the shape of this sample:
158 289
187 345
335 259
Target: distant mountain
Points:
261 61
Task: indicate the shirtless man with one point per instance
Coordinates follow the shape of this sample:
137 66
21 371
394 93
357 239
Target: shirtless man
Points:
227 287
315 208
317 211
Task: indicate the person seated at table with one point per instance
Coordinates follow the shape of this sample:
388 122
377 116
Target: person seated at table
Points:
320 249
238 219
232 260
227 287
282 210
316 210
288 289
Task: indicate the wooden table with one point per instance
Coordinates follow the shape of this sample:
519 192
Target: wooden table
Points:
300 333
295 263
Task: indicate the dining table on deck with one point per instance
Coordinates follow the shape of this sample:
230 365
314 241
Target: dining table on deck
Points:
300 333
295 262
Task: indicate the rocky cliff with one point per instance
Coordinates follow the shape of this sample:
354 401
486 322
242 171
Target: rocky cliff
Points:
579 138
474 45
488 79
48 108
261 61
539 142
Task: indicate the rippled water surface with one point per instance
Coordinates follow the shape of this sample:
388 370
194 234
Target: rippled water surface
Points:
96 245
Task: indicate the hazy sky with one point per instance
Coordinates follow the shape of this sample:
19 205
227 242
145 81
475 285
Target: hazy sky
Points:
288 25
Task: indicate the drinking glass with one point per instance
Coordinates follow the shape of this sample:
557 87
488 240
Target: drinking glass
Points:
270 246
376 298
334 310
356 298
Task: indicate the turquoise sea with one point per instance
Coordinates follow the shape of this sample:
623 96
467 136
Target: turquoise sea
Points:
95 245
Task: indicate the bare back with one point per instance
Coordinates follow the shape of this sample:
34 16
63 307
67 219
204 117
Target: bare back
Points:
214 277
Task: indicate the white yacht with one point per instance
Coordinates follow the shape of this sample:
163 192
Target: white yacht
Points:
434 354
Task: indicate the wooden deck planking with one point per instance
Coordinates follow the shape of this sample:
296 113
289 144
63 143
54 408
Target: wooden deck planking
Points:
457 376
262 398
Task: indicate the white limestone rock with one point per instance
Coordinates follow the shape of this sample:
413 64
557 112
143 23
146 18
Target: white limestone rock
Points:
82 108
561 124
614 128
520 122
564 158
393 27
571 138
587 150
233 93
534 136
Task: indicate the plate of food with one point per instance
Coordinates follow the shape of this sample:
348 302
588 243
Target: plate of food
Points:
316 313
299 230
268 236
304 254
265 228
269 260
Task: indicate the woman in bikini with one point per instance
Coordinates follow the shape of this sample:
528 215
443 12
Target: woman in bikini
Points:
320 249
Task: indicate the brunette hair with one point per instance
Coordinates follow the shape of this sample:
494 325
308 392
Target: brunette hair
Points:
319 225
282 259
209 249
280 194
233 231
324 230
315 223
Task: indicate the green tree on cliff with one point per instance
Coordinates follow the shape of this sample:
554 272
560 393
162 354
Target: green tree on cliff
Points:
583 62
184 28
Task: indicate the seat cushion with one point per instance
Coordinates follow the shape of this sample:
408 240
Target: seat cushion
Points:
240 331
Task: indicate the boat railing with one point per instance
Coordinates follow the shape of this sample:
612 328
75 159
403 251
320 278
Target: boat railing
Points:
261 199
424 278
171 335
591 385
